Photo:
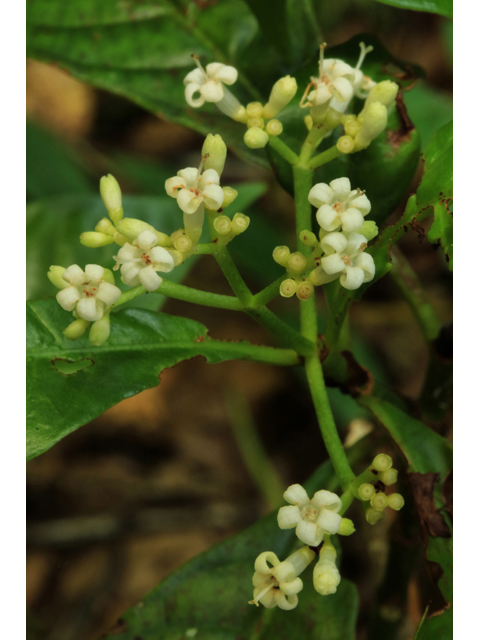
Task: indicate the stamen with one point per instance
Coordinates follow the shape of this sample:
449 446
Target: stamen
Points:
357 195
320 62
363 53
199 171
197 62
260 595
303 104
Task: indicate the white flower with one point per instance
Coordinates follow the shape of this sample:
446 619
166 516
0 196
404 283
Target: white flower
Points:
88 294
312 518
209 85
335 80
344 258
326 576
275 583
339 206
192 189
139 262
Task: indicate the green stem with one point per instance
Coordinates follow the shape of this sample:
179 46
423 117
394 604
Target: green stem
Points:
255 458
326 156
233 276
188 294
265 296
313 139
411 289
205 248
284 333
282 149
246 351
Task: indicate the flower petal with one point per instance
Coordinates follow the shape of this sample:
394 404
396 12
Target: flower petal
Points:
149 278
342 89
212 91
147 239
352 220
127 253
268 600
286 603
327 499
328 218
108 293
363 204
190 90
68 298
309 533
210 176
352 278
266 557
341 188
356 242
74 275
288 517
333 264
173 185
196 76
334 242
223 72
329 521
94 273
320 194
296 494
162 259
189 175
130 271
90 309
291 588
340 69
188 201
214 196
366 262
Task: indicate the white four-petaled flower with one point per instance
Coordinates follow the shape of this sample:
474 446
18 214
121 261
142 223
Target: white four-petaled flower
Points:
339 206
139 262
208 82
344 258
335 80
88 294
192 189
312 518
275 583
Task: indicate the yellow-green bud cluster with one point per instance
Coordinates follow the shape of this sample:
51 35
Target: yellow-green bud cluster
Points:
227 229
381 474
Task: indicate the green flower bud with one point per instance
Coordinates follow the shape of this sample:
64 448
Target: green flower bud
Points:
112 197
76 329
281 255
132 227
108 276
308 122
240 223
345 144
373 516
255 109
305 290
100 331
346 527
183 244
379 501
366 491
222 225
308 238
352 127
119 239
384 92
395 501
274 128
388 477
382 462
369 229
178 257
105 226
229 196
93 239
288 288
333 118
255 138
296 263
374 122
55 274
282 92
256 122
216 149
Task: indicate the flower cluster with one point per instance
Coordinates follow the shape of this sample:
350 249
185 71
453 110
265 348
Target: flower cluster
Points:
380 474
314 521
338 251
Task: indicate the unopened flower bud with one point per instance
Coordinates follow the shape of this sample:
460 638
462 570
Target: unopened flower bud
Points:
374 122
352 127
388 477
296 263
379 501
214 151
384 92
395 501
100 331
229 196
76 329
119 239
240 223
105 226
183 244
112 197
178 257
281 255
131 228
366 491
176 234
382 462
282 92
369 229
254 109
305 290
346 527
108 276
308 122
333 118
308 238
55 274
345 144
274 127
326 577
93 239
373 516
255 138
288 288
256 122
222 225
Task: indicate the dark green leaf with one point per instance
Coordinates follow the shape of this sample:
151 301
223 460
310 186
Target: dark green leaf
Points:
442 7
437 182
429 109
211 593
441 231
70 383
425 450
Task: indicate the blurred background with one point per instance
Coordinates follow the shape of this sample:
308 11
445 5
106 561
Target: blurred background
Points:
164 475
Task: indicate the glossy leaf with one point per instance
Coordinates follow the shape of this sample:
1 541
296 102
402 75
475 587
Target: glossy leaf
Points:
441 231
437 181
442 7
428 108
211 593
70 383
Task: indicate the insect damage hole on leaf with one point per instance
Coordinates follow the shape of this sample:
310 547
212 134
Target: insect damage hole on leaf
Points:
68 367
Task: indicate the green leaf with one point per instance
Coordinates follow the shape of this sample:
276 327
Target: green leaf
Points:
70 383
425 450
441 231
442 7
428 108
437 181
211 592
